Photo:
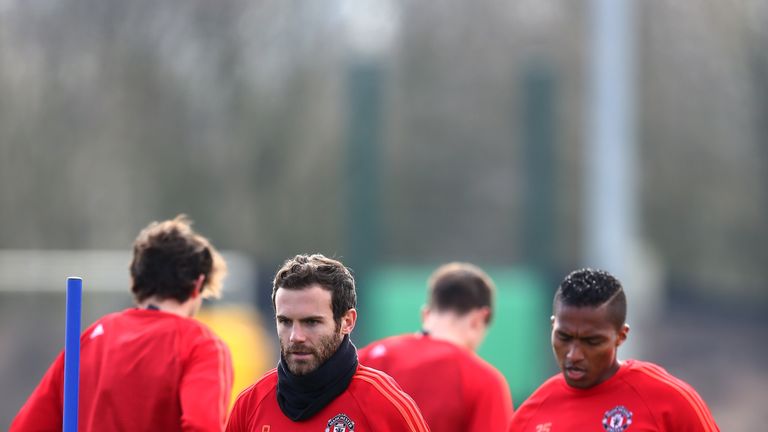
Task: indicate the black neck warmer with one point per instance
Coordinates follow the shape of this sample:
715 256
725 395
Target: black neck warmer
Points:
302 396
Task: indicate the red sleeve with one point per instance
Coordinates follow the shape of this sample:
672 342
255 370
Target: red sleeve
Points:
489 402
205 387
43 409
395 411
675 403
691 416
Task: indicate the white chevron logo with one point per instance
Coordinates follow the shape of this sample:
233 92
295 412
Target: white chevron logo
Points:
98 331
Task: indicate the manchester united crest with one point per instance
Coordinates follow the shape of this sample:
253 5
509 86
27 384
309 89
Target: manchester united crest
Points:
617 419
340 423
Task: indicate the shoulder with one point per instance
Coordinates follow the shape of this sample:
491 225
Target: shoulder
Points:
195 328
199 337
110 318
650 377
550 387
248 403
114 323
479 366
385 399
479 376
115 315
403 346
530 408
256 392
376 381
383 346
157 322
664 391
196 339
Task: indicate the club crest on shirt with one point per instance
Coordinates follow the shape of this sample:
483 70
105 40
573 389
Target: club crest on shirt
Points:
617 419
340 423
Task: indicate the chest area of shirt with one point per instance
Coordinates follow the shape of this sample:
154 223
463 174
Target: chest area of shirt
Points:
341 415
628 415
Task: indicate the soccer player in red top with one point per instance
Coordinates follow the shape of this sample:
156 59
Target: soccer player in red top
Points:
153 367
596 391
455 389
318 384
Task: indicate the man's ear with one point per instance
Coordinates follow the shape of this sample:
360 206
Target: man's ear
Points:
480 318
348 321
198 288
424 312
623 331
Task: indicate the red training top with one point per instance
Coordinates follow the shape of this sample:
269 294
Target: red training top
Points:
640 397
140 370
373 402
455 389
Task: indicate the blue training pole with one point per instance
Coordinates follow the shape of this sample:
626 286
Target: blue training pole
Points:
72 353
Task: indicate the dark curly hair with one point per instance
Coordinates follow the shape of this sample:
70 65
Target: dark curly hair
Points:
592 288
304 270
169 256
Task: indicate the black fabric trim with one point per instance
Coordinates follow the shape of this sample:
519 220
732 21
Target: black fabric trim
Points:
302 396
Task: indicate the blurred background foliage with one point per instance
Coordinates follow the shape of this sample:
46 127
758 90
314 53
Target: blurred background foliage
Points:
116 113
242 114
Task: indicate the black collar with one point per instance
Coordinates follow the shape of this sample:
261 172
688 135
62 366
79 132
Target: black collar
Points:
302 396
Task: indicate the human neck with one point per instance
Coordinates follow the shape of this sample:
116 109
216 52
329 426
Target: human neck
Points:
185 309
451 328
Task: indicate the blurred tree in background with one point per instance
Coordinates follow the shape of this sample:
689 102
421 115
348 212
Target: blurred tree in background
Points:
113 113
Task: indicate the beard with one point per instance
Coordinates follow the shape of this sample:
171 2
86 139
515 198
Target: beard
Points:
326 347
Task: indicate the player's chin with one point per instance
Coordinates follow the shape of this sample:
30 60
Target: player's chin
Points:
302 367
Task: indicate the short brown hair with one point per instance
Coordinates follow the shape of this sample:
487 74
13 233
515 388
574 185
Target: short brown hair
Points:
169 256
460 287
304 270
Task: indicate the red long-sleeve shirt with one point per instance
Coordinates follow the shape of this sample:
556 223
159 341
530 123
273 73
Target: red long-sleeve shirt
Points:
455 389
640 397
140 370
373 402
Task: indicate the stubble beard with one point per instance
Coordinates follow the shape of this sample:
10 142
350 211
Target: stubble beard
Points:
327 346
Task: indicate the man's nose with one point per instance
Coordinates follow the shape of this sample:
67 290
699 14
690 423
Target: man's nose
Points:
575 353
297 334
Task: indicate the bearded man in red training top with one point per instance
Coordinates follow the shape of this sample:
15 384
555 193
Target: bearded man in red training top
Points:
151 367
595 391
318 384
